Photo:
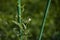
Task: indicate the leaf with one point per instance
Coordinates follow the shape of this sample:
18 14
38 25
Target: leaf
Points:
18 24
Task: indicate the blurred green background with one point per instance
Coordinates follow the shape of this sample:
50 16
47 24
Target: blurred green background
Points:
34 10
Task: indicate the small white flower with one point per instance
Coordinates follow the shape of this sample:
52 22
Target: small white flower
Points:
29 19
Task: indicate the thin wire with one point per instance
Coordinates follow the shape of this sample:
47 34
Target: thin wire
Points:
19 16
44 19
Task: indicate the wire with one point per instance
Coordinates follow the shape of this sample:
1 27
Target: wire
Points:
44 18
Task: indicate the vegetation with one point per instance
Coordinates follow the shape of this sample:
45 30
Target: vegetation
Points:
32 15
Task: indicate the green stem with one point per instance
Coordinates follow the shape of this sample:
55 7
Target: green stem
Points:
44 19
19 11
19 16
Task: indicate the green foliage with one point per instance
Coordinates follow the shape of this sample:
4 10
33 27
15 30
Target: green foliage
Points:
34 9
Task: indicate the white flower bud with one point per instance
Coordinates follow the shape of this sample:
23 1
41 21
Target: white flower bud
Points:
29 19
